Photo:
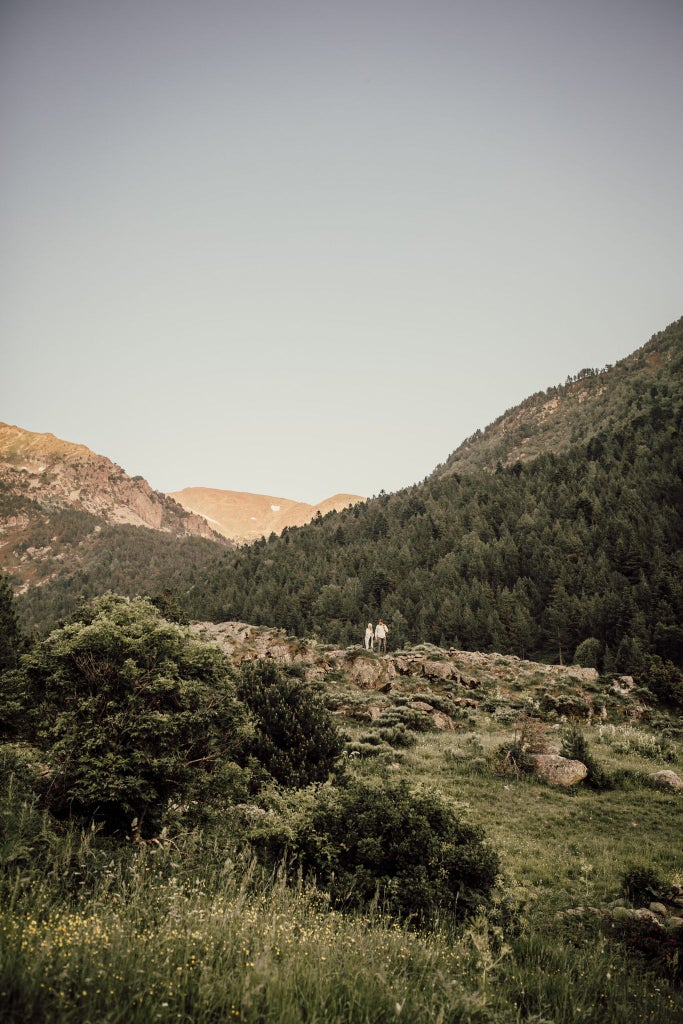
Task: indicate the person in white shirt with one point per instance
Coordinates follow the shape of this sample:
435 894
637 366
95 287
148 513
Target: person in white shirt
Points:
381 633
369 638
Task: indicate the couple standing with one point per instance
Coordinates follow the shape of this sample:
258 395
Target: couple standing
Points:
380 635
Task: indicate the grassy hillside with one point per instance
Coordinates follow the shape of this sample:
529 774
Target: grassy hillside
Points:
188 926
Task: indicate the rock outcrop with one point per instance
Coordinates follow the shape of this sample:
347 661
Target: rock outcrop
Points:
56 473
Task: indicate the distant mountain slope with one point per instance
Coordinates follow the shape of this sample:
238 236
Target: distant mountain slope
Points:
55 473
552 421
583 542
245 517
74 525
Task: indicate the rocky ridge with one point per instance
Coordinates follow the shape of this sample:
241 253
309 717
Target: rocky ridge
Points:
55 473
439 688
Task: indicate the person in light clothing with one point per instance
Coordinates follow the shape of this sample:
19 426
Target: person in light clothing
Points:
369 638
381 633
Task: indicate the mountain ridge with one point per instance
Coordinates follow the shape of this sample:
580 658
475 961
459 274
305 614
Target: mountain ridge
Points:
244 517
554 419
56 473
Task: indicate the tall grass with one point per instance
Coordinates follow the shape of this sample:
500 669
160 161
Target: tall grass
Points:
192 931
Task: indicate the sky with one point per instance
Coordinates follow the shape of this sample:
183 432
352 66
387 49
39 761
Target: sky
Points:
302 247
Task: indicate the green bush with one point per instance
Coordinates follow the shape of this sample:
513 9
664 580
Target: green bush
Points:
588 653
295 739
130 712
575 746
377 840
642 885
11 640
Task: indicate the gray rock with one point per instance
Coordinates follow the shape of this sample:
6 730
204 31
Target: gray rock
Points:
559 771
666 779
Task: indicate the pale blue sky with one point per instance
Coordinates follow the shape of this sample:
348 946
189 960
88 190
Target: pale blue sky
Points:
304 247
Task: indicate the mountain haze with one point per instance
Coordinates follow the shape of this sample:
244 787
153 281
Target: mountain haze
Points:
244 517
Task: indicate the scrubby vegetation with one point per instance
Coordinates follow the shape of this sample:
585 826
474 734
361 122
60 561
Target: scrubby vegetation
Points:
420 884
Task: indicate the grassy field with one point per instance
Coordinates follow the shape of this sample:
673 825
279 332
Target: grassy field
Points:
189 929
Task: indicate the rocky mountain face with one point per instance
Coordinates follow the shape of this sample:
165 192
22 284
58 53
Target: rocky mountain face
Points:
55 473
554 420
74 525
244 517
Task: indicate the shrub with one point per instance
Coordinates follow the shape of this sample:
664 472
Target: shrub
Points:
575 746
564 704
130 711
642 885
516 757
377 840
662 949
587 654
664 680
295 739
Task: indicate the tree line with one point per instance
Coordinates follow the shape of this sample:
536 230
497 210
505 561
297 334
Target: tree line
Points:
533 559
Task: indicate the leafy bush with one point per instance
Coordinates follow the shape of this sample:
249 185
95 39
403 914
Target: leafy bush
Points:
515 757
664 680
295 739
376 840
588 653
575 746
130 711
642 885
565 704
662 949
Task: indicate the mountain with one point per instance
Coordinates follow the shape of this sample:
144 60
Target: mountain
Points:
244 517
57 473
592 401
74 525
559 525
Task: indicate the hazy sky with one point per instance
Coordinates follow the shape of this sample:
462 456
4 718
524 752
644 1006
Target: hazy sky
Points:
298 247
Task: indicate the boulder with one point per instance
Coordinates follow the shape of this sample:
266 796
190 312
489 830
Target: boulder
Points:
443 722
666 779
439 670
623 685
559 771
369 673
421 705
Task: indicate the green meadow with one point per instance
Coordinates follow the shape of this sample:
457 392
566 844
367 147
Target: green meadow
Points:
188 927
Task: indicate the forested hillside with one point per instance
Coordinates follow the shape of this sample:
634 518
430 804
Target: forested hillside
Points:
532 558
63 556
591 401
